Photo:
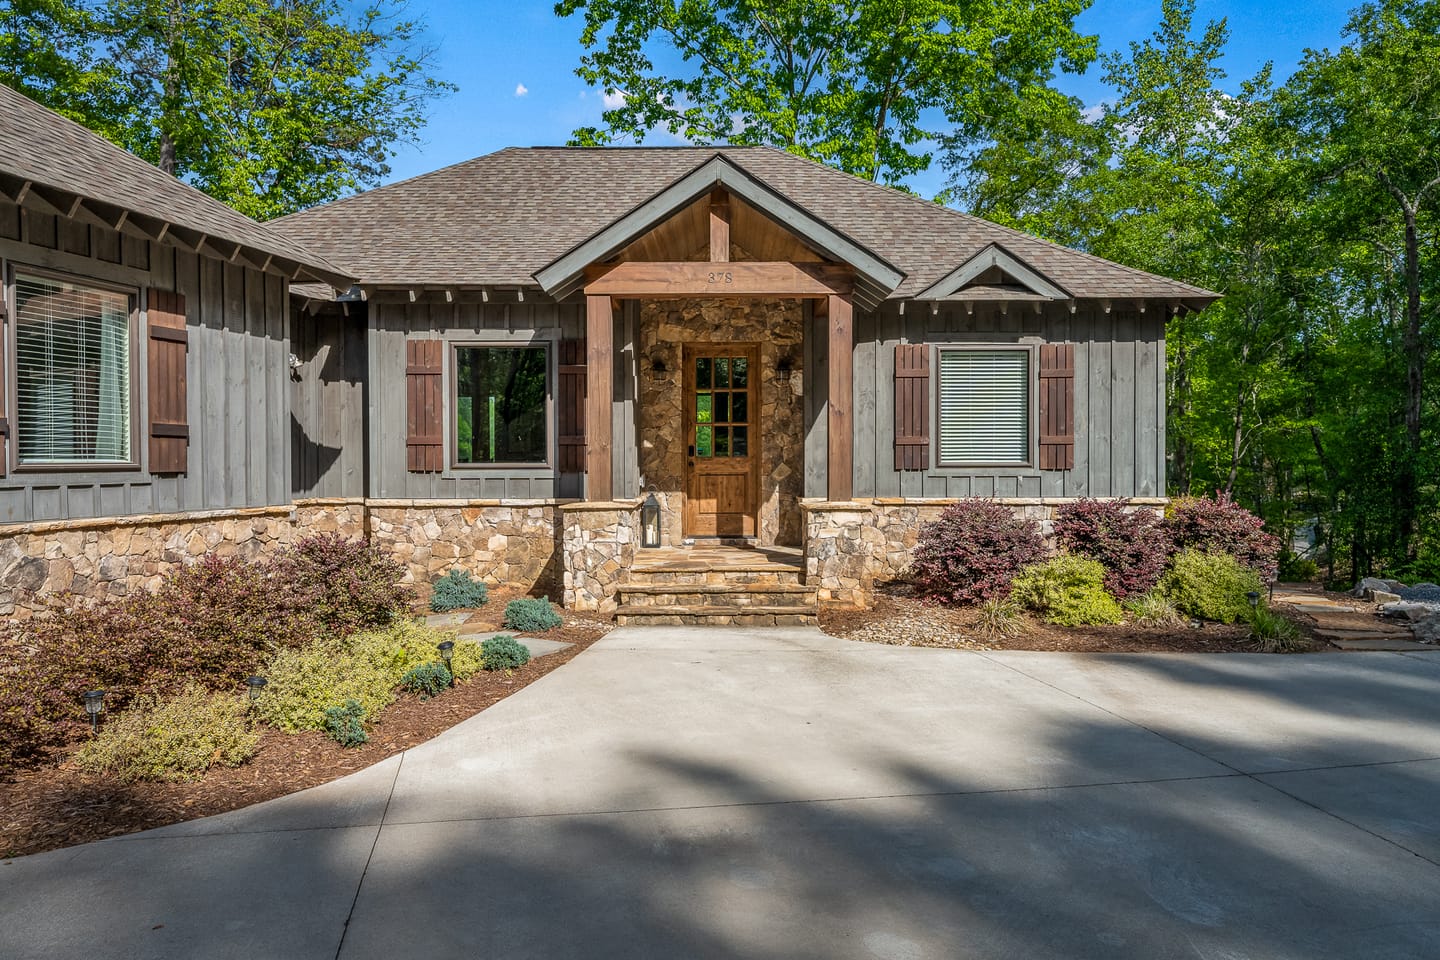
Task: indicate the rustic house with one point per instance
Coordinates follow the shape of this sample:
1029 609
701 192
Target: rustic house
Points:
494 365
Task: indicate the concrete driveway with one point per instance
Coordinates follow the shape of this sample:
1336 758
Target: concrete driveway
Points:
707 792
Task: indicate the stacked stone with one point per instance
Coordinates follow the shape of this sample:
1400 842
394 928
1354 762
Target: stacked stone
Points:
511 543
598 543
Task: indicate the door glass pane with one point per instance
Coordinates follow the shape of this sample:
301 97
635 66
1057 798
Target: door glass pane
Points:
703 441
740 372
722 372
702 373
722 408
702 408
722 441
741 405
741 445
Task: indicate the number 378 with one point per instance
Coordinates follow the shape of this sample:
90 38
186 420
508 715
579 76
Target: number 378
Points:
722 276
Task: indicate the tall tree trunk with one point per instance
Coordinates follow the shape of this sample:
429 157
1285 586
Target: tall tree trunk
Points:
1414 389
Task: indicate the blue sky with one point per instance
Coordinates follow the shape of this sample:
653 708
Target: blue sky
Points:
493 51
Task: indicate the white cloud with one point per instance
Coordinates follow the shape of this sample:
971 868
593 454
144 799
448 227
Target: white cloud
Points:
521 89
614 99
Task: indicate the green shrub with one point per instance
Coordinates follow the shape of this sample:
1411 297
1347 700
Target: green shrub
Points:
428 679
345 724
364 667
503 653
999 617
1211 586
1067 590
172 738
530 615
1275 633
457 590
1154 609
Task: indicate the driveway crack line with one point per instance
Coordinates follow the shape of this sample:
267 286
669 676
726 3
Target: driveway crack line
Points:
379 828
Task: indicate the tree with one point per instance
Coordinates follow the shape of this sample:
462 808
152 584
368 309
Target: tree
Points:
854 84
46 53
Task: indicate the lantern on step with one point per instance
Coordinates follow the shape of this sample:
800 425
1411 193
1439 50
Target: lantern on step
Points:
650 522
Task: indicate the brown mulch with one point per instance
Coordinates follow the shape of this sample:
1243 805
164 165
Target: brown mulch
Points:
903 620
58 805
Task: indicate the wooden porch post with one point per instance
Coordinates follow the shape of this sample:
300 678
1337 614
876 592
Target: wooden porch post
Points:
599 333
840 321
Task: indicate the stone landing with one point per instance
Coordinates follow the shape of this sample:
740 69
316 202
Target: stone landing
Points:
744 586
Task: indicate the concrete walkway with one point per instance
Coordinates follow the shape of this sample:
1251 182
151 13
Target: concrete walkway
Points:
702 792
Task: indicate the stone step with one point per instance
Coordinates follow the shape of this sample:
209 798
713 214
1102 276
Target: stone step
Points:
756 616
770 575
1350 633
737 599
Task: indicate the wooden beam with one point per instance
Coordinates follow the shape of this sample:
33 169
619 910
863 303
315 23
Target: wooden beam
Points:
841 467
719 226
599 332
661 279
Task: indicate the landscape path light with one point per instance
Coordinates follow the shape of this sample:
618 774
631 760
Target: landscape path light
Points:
447 653
94 706
1254 597
256 684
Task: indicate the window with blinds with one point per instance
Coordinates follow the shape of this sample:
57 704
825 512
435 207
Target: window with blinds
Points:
984 406
72 372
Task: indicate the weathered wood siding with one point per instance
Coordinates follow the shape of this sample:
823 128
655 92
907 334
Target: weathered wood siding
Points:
1119 401
328 400
239 417
463 321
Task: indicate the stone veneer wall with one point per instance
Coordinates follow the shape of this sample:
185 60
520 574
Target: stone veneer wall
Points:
851 546
779 327
599 542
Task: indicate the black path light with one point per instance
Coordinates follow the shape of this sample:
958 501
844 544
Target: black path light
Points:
1254 597
256 684
447 654
650 522
94 706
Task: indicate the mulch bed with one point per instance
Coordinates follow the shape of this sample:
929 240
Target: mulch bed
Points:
58 805
899 619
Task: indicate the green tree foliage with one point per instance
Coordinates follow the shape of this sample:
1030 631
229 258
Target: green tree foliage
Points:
268 105
855 84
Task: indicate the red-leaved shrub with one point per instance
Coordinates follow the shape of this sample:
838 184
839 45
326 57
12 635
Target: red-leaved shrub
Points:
972 551
1220 525
213 622
1133 547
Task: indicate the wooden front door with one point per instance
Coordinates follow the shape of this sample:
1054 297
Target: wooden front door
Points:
722 427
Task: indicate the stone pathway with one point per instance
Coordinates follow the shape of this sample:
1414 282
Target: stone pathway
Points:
538 646
1349 625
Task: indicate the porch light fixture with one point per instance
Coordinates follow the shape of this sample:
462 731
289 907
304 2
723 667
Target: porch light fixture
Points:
785 364
447 653
1254 597
94 706
255 684
650 522
657 364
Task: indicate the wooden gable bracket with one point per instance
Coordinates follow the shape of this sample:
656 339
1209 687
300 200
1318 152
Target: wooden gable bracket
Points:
719 225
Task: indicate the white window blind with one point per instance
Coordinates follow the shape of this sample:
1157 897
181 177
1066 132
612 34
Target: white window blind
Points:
72 366
984 406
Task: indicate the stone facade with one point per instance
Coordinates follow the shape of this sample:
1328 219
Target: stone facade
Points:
778 327
599 542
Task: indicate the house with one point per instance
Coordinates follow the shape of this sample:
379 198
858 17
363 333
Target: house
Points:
493 365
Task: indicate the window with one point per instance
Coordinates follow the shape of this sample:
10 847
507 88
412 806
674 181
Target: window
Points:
501 405
72 372
985 407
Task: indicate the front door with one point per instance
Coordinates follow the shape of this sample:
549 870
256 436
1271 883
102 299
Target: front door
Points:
722 429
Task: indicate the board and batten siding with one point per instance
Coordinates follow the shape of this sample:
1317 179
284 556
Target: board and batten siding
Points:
328 398
1119 400
238 409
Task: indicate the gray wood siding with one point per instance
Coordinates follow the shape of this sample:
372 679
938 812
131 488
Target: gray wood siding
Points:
1119 401
238 406
328 402
462 321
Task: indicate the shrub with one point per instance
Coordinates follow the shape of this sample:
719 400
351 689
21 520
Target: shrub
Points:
503 653
172 738
458 590
999 617
972 551
1211 586
345 585
466 659
345 724
1132 545
1220 525
531 615
1275 633
1067 590
428 679
1154 609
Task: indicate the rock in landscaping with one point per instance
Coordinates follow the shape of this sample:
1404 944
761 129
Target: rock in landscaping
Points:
1409 610
1368 586
1425 592
1427 629
1384 596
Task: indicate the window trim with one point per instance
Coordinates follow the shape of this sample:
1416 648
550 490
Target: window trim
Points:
452 403
12 373
1032 385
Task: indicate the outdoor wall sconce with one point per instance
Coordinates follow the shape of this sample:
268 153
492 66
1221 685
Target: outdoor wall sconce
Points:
784 365
650 522
94 706
657 365
447 654
256 684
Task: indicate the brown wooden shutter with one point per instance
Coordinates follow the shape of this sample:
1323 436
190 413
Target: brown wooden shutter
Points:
424 406
169 339
570 399
912 406
1057 406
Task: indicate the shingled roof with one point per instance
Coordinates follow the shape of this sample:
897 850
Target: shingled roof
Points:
50 163
500 219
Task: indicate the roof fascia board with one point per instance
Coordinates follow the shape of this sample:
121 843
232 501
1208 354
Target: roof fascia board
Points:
994 255
565 273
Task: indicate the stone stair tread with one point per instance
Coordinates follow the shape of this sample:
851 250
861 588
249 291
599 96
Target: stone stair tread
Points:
713 611
716 588
1356 633
641 569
